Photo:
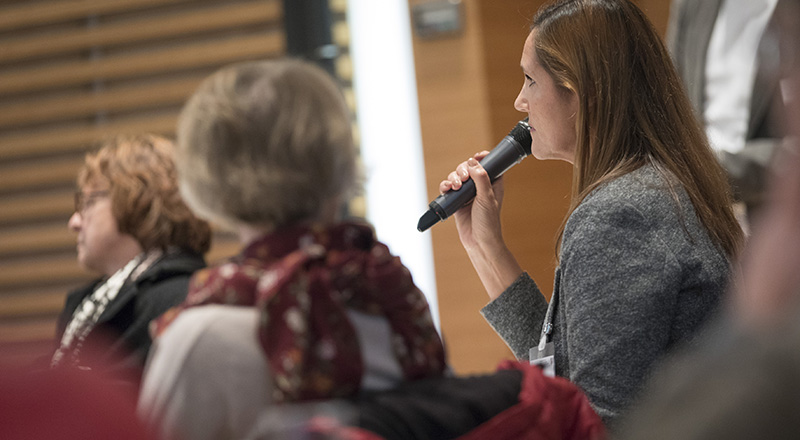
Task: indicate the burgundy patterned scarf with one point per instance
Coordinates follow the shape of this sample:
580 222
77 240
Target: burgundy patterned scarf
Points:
302 279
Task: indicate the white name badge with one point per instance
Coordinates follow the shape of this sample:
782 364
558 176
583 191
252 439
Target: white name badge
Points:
546 363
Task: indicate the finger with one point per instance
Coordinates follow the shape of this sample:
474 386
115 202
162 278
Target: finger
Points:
483 184
444 186
454 179
457 178
479 156
463 171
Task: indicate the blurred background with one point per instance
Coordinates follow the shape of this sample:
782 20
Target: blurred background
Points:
430 82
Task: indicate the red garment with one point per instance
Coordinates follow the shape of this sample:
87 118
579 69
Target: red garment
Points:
303 278
549 408
67 404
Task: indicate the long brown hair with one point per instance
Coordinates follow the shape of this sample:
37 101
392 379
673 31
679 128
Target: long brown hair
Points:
632 107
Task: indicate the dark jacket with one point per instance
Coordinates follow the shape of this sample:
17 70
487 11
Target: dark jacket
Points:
120 341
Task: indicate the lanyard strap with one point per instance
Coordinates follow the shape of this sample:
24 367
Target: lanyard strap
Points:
547 326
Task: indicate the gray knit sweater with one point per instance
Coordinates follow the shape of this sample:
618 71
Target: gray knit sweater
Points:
638 275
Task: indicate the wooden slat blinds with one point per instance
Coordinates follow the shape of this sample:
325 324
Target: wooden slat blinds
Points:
75 137
175 24
168 59
31 14
73 72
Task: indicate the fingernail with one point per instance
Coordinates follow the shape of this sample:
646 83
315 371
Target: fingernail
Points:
472 162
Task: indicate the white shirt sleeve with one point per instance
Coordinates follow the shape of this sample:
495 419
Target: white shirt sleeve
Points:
731 70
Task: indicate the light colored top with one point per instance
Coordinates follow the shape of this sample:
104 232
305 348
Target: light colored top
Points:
207 377
731 69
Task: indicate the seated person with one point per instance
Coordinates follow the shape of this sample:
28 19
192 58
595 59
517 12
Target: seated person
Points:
136 232
323 309
644 253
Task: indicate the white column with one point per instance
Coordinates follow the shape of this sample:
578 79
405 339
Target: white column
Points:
391 144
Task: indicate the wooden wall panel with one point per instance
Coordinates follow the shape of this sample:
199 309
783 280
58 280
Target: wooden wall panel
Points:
455 123
73 72
657 11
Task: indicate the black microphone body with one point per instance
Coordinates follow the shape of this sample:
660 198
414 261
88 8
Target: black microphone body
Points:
509 152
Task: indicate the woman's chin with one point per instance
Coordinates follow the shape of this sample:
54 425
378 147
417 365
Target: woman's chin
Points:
87 264
542 155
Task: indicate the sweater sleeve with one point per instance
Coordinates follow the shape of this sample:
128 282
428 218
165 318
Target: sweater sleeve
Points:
620 285
207 377
517 315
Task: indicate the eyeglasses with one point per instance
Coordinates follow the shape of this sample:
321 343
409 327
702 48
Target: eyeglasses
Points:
85 200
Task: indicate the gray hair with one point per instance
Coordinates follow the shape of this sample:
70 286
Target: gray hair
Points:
266 143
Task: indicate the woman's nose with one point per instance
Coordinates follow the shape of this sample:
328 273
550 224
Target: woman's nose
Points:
74 223
520 104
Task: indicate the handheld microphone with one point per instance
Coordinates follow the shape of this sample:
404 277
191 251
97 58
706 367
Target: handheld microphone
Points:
509 152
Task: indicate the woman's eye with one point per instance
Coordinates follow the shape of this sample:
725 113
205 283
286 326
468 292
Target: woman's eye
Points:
529 80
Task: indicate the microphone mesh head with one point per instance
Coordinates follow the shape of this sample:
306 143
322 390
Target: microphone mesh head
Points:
522 134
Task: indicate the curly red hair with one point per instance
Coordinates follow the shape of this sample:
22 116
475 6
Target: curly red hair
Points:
145 201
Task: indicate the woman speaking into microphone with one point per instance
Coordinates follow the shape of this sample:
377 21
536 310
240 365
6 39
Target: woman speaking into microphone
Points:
645 251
